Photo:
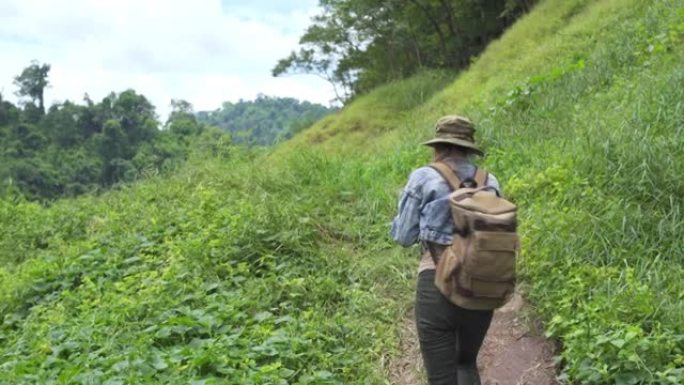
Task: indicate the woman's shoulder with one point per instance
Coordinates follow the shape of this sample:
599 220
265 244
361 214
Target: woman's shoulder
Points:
427 182
423 174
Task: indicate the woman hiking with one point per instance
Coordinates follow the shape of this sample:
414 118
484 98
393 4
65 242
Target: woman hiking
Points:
450 336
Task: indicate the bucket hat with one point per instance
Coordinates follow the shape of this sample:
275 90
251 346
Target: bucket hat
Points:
456 130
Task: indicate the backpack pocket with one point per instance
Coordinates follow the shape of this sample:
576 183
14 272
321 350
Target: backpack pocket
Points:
489 264
488 289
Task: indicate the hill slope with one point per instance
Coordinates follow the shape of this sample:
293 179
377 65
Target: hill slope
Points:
277 269
265 120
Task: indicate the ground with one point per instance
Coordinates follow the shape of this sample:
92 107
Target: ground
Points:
514 352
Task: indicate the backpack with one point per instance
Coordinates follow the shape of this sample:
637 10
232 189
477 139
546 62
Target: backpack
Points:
477 271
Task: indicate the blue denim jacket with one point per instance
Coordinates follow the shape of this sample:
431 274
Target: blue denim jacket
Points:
424 213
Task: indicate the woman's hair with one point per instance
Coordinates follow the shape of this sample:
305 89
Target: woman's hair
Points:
444 151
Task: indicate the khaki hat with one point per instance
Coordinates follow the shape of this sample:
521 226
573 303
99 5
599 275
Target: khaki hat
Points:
456 130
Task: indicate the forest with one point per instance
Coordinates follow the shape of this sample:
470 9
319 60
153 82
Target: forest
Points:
68 148
265 120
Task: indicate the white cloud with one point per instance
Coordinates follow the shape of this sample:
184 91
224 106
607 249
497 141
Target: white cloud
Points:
203 51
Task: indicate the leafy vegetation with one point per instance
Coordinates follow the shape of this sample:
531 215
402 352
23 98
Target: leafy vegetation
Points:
265 120
275 267
76 148
71 149
584 131
357 45
206 277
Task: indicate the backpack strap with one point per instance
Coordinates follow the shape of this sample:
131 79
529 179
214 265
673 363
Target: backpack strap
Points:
446 172
481 177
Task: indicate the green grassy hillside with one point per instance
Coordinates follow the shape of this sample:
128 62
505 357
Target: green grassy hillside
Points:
276 268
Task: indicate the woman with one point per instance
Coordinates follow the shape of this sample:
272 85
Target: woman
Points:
450 336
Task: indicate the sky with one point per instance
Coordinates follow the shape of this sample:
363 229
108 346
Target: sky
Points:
202 51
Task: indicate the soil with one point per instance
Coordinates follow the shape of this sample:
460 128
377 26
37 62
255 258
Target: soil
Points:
514 352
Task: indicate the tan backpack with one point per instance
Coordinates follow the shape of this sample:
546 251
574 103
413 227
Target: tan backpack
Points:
478 270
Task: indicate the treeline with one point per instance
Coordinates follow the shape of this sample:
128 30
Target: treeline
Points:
359 44
264 121
73 148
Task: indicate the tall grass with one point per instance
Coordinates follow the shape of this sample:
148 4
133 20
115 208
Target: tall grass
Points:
580 106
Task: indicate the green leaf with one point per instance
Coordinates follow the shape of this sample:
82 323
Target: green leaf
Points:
262 316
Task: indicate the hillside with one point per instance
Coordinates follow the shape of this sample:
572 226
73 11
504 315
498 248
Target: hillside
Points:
264 121
276 268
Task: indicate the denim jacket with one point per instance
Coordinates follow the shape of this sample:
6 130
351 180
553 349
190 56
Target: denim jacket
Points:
424 212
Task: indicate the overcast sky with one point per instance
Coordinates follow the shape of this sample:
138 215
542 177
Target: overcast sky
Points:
203 51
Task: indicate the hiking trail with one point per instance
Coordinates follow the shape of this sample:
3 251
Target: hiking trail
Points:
514 351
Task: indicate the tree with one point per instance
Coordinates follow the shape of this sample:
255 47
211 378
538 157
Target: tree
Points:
263 121
73 148
357 45
112 141
114 149
9 114
181 107
182 120
136 115
32 83
61 124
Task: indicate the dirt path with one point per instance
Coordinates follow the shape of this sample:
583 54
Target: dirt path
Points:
513 352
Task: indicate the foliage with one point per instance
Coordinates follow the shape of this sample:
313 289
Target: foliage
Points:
232 272
73 149
265 120
357 45
32 83
216 275
584 132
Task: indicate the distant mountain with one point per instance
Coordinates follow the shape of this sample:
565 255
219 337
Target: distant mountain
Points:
266 120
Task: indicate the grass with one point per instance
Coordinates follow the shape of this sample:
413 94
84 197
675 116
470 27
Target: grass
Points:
209 276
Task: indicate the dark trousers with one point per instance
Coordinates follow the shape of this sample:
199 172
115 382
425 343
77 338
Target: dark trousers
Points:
450 336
